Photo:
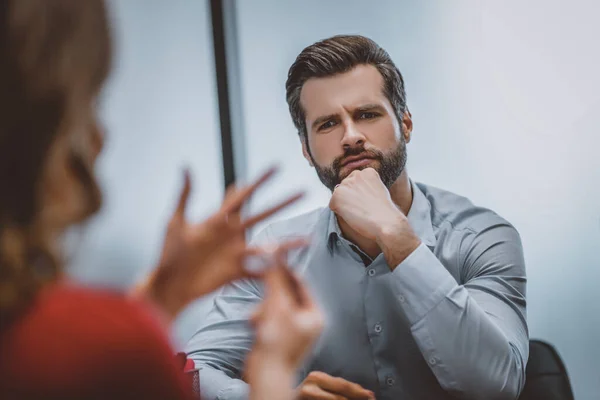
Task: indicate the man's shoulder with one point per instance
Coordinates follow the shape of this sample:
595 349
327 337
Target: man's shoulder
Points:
299 226
456 212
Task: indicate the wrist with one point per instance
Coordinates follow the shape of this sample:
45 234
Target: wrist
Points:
152 291
397 240
392 225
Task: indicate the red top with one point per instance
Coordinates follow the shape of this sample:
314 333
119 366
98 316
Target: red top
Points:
82 343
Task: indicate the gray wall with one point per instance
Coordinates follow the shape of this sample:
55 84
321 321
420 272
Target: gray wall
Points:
503 97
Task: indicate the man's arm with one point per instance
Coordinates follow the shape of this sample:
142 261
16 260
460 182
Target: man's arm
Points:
473 336
220 346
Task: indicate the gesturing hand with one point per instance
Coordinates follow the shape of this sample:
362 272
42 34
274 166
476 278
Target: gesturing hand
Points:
286 324
198 258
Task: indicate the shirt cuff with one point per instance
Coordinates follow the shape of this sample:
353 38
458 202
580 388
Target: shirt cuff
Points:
420 283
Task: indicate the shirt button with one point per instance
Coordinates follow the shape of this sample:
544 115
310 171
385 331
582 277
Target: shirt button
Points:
371 272
339 242
378 328
432 360
390 381
401 298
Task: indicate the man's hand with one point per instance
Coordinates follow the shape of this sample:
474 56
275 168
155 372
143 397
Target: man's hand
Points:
364 203
320 386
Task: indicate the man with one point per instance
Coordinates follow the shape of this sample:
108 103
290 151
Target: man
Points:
423 292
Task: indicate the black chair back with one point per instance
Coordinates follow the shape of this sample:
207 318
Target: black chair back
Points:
547 377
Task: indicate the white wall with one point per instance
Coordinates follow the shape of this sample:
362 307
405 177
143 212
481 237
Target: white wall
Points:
503 97
160 113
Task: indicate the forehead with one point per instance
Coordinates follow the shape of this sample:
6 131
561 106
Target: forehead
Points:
361 85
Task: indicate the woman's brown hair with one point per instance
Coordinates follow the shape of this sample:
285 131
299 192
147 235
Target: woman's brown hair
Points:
54 58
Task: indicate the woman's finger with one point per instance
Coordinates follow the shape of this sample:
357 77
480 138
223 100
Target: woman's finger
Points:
251 221
260 258
237 198
185 194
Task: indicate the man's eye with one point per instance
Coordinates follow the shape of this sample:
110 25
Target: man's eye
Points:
368 115
326 125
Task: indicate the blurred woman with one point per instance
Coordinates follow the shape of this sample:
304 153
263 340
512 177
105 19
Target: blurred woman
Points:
58 340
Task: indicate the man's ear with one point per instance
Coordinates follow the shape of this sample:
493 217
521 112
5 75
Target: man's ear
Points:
305 152
407 125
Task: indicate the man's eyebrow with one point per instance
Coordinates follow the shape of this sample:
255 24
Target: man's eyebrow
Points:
322 119
369 107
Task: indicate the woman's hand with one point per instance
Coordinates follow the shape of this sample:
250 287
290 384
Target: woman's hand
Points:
286 325
198 258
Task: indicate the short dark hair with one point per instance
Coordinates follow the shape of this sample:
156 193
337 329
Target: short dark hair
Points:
336 55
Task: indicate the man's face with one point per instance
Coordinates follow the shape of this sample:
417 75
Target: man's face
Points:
352 125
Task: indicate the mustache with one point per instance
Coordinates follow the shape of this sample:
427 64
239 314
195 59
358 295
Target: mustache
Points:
356 151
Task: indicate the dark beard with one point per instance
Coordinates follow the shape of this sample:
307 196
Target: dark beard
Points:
390 167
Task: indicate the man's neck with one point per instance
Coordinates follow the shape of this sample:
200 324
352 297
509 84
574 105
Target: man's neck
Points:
402 195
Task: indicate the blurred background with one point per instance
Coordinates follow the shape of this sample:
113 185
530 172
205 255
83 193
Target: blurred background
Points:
505 103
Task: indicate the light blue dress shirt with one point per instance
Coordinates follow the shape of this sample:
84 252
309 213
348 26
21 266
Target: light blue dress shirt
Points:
448 322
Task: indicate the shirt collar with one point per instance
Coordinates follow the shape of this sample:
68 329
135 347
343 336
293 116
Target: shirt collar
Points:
333 229
419 218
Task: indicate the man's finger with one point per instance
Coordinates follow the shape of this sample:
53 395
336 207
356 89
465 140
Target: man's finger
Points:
348 389
341 386
314 392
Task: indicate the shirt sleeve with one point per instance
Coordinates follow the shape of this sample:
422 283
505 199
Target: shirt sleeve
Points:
220 346
473 336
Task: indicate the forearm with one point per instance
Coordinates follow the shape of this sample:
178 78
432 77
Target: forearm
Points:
468 351
477 348
221 345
